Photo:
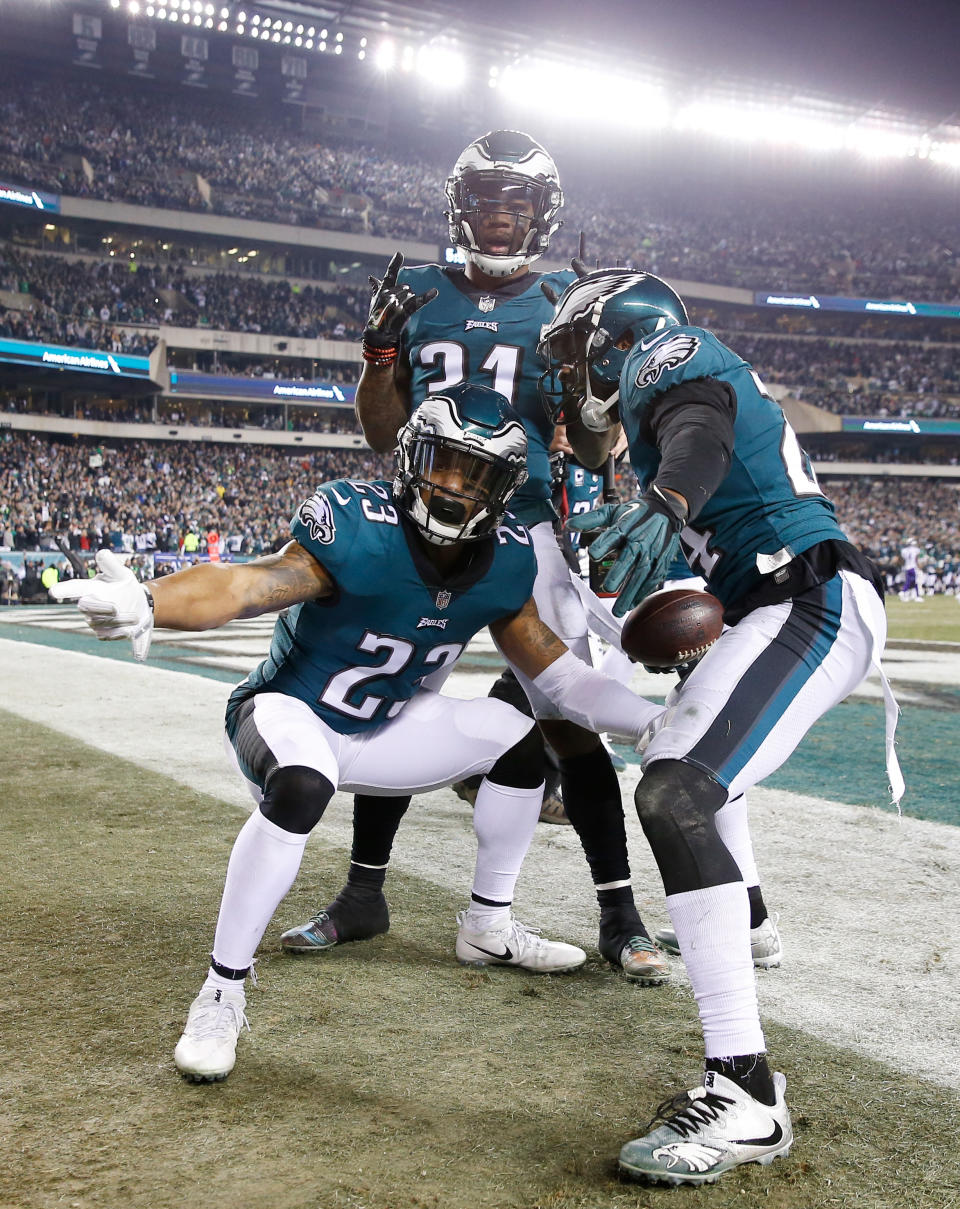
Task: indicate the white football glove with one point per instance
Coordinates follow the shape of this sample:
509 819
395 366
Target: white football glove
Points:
114 603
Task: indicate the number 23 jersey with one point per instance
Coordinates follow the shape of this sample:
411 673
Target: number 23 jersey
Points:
357 656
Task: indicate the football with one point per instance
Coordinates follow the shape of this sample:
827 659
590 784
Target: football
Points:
672 626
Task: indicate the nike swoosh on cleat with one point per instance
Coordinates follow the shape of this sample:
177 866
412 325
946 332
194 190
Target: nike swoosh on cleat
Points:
506 955
775 1137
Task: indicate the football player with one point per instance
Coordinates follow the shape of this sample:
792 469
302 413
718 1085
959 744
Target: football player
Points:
430 327
381 586
723 477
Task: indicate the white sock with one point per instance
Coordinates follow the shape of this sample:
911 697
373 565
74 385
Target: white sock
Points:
219 983
263 865
504 819
734 828
713 930
483 917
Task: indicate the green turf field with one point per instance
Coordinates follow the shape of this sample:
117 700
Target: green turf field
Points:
378 1076
935 619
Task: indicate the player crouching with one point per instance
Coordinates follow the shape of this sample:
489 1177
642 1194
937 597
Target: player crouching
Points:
381 588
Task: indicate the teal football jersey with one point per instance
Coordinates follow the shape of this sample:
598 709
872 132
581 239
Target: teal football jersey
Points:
357 656
491 342
584 491
770 506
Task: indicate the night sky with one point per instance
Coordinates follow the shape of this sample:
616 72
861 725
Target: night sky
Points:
905 55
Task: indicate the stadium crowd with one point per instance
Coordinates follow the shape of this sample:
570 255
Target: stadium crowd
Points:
138 496
73 297
86 139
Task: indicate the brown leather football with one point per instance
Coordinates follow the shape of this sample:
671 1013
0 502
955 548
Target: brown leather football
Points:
672 626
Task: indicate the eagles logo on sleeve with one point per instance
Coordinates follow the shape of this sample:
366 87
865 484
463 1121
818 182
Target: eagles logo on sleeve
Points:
668 354
317 515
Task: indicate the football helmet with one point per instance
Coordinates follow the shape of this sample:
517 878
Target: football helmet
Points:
507 174
579 345
460 458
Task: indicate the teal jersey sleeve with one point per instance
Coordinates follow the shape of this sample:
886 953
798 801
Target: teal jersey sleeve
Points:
770 506
357 656
491 340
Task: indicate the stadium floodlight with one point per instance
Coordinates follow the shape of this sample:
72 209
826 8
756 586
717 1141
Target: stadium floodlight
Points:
878 144
321 46
340 36
386 56
133 8
945 153
441 67
588 95
224 13
338 49
114 3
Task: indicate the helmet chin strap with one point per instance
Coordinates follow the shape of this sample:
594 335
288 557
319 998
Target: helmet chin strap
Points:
593 413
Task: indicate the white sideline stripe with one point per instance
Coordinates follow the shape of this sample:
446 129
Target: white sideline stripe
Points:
869 910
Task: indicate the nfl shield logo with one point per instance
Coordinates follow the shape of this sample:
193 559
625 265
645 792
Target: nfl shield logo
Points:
443 599
486 304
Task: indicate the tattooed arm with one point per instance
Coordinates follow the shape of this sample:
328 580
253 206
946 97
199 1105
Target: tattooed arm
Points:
210 594
582 694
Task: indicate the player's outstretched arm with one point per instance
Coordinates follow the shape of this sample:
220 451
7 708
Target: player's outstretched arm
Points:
116 605
211 594
584 695
383 398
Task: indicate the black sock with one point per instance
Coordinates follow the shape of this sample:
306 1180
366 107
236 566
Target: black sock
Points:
758 908
751 1072
375 823
619 912
591 798
363 882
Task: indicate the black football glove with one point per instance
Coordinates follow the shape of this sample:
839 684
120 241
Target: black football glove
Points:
391 306
644 534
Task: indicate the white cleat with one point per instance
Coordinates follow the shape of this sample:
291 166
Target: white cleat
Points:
515 945
704 1132
765 943
208 1048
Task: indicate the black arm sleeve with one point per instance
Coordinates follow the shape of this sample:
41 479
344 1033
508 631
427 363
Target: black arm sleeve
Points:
692 426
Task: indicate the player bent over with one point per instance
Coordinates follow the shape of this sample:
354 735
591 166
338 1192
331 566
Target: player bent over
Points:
380 587
722 476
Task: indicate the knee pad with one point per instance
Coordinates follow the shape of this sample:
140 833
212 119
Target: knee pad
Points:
522 766
295 798
677 805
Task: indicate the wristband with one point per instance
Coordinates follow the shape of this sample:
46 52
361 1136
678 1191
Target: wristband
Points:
149 596
379 356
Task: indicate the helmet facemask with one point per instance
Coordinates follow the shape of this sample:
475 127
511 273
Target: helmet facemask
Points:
507 174
597 320
453 482
582 380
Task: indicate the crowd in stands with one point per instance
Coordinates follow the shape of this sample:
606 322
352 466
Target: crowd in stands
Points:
160 491
189 414
142 496
74 300
100 140
879 515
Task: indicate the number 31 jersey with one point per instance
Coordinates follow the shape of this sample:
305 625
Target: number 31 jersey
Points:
491 341
770 506
357 656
